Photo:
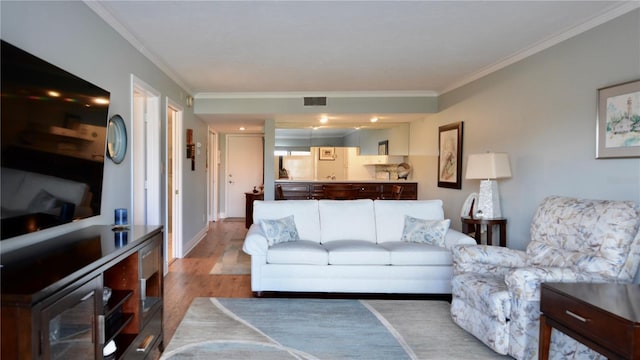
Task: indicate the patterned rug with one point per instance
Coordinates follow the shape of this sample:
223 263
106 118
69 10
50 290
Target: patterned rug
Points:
275 328
233 261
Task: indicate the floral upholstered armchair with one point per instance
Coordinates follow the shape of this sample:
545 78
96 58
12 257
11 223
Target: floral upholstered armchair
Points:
496 291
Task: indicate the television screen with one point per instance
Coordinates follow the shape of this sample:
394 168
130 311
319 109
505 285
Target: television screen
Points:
54 127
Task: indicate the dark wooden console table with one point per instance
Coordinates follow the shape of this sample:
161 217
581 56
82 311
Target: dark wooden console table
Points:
53 303
474 225
605 317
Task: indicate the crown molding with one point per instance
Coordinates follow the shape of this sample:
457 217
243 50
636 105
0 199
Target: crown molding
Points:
105 15
608 15
300 94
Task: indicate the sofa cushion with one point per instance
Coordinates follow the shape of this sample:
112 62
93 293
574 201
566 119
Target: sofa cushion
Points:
356 252
389 215
306 216
279 230
303 252
411 253
430 232
347 219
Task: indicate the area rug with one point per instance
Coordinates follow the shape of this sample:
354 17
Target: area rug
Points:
233 261
276 328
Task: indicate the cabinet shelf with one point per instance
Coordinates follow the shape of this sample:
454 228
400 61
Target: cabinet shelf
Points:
118 297
116 326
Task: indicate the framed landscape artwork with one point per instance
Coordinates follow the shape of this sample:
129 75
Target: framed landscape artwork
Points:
618 125
327 153
450 156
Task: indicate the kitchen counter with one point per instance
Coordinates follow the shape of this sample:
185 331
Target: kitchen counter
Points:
367 189
324 181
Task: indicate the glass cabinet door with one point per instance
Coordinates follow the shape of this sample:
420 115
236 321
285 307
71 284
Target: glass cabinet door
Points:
71 327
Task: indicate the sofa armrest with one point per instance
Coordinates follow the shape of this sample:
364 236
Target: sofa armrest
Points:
453 238
486 259
255 242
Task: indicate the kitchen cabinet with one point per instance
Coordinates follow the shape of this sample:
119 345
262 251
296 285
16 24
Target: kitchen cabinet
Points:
367 190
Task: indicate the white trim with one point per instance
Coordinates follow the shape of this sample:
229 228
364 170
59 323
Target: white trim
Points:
128 36
176 227
299 94
608 15
150 157
212 174
191 244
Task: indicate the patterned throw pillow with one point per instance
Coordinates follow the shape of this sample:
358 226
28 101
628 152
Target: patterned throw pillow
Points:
431 232
280 230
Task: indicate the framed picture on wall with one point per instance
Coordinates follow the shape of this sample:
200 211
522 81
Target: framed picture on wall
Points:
383 147
618 129
450 156
327 153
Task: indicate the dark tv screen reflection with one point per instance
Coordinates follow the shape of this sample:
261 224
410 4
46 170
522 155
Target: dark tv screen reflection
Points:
54 127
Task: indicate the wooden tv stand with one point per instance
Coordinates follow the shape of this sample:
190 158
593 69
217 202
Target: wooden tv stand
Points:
52 295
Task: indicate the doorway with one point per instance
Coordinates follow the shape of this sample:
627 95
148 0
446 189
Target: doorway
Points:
244 170
145 146
173 213
213 160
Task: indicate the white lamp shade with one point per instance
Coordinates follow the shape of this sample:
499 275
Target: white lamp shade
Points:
488 166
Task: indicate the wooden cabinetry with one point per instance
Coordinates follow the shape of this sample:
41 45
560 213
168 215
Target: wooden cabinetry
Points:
367 190
52 295
250 197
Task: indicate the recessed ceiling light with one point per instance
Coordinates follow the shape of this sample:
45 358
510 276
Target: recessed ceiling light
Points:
53 93
374 119
324 119
242 128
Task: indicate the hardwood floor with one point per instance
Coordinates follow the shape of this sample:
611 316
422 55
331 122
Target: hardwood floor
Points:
189 277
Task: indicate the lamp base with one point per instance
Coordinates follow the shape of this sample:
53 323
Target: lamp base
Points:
489 200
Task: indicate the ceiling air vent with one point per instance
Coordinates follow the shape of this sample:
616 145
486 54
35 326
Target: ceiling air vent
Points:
315 101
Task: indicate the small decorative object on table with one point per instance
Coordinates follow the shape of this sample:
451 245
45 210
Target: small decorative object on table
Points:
120 219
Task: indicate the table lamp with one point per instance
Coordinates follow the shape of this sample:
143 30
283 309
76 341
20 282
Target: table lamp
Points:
488 167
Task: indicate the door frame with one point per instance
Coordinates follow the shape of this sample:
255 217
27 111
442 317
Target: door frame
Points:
146 155
213 156
226 167
175 130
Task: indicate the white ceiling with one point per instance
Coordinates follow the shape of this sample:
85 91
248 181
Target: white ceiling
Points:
343 46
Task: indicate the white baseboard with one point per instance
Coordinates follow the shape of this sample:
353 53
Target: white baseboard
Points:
186 249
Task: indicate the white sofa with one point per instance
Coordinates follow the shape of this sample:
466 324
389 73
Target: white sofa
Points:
25 192
350 246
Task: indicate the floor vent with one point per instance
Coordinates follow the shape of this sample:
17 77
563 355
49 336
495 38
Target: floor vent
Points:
315 101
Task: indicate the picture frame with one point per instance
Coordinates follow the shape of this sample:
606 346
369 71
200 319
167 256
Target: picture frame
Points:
383 147
327 153
618 121
450 156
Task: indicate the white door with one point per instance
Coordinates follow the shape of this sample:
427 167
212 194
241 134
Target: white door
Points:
145 140
173 230
244 164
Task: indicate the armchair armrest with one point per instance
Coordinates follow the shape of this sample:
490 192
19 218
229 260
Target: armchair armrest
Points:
255 242
524 283
486 258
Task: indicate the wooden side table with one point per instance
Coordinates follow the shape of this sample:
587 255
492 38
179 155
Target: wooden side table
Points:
474 225
249 198
605 317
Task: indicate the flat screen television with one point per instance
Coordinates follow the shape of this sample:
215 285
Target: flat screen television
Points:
54 127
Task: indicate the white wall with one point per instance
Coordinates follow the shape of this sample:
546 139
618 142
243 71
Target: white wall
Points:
542 111
70 35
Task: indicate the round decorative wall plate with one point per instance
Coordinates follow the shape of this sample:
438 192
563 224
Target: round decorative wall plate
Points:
116 139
